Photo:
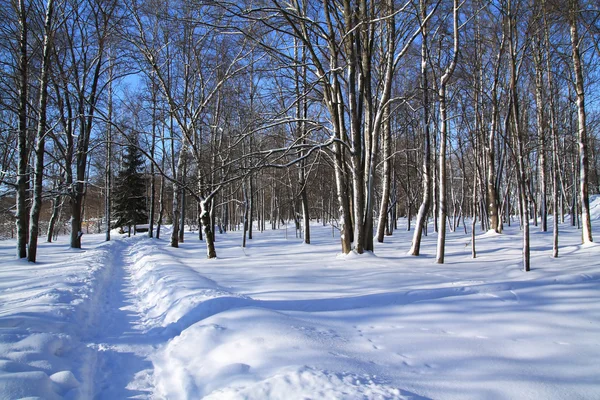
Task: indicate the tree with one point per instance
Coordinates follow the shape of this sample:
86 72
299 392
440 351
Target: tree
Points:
423 213
41 135
130 189
582 135
22 176
444 136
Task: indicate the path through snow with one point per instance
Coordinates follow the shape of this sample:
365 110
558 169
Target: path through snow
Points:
134 318
121 369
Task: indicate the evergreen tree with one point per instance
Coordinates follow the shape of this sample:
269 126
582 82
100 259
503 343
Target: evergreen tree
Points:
130 190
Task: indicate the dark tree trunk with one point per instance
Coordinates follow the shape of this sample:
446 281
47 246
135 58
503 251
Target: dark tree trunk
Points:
36 208
22 174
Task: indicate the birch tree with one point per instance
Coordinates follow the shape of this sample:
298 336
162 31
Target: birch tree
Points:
41 133
444 136
582 135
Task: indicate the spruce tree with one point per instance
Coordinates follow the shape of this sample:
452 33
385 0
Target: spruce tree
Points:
130 190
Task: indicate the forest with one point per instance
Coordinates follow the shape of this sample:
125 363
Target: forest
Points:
299 199
246 115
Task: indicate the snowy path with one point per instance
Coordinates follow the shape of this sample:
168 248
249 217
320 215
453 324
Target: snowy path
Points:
121 367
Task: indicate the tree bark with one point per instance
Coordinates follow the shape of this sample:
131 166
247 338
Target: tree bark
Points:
554 138
427 188
540 120
441 243
41 135
492 194
205 207
518 135
56 203
152 173
581 120
108 177
387 177
22 175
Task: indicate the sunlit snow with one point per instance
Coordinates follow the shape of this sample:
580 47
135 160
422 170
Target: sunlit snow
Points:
134 318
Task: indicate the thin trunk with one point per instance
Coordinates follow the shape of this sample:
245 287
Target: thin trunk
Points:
521 159
387 176
245 217
176 193
152 174
182 197
492 194
474 221
554 138
205 207
423 212
540 118
56 202
108 177
250 203
443 139
582 129
161 198
343 199
442 203
22 175
41 136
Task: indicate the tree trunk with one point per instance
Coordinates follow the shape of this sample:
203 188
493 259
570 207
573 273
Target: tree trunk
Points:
554 138
52 223
473 222
343 200
305 213
518 135
108 177
492 194
426 202
161 206
22 175
540 120
387 177
582 128
182 196
206 226
245 218
178 174
152 174
441 242
442 203
34 216
161 197
250 205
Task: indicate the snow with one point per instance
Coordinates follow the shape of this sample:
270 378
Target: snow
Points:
134 318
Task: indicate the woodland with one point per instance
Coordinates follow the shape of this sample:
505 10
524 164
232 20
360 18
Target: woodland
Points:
247 115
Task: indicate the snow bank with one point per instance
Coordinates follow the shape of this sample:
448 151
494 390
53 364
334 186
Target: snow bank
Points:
231 356
171 295
46 309
222 344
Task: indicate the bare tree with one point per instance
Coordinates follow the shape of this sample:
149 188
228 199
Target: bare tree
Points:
22 175
444 136
41 133
582 136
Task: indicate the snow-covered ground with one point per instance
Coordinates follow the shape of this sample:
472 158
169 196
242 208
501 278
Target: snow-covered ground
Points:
134 318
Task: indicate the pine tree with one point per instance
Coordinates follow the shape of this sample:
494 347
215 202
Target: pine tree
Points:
130 189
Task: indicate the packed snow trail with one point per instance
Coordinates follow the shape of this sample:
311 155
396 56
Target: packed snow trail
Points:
121 369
